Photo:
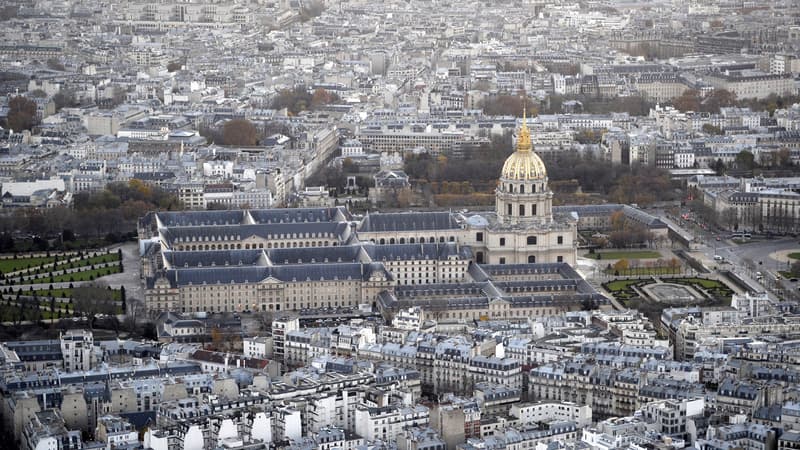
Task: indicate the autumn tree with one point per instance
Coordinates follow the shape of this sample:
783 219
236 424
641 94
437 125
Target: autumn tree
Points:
588 136
621 266
323 97
688 101
718 98
21 114
240 132
674 265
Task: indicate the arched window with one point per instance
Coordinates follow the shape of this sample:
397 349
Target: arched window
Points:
531 240
521 188
531 259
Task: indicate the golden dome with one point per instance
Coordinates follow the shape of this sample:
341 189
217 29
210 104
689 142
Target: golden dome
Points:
524 164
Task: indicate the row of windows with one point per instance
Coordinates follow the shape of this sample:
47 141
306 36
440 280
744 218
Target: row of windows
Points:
531 240
254 246
402 240
521 209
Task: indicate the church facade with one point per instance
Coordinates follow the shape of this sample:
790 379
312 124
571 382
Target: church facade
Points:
522 228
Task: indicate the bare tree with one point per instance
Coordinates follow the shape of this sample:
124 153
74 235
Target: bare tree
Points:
92 299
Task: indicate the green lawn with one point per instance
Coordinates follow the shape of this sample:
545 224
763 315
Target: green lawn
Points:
623 254
794 255
12 265
61 265
85 275
646 271
708 284
620 285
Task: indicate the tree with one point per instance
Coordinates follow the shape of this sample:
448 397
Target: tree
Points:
323 97
240 132
55 64
217 338
688 101
744 160
21 114
509 105
795 269
174 66
718 98
294 100
123 298
92 299
718 166
621 265
311 9
118 95
711 129
64 98
783 157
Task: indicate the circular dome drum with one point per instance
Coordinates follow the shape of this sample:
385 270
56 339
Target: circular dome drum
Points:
524 164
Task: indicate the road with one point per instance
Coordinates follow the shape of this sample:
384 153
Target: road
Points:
746 260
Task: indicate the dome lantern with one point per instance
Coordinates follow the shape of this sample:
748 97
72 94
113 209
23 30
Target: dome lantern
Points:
524 164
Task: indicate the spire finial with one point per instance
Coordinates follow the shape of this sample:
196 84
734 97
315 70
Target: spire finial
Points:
524 135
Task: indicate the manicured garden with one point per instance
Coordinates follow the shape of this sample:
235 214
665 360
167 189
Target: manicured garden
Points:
84 275
60 268
713 290
16 264
715 293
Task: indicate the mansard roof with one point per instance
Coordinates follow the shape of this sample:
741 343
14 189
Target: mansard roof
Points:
408 221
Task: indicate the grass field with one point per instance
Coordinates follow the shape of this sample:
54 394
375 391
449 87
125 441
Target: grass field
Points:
11 265
85 275
620 285
630 254
794 255
99 259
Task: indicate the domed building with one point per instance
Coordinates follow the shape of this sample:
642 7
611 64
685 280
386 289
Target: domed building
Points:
523 228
